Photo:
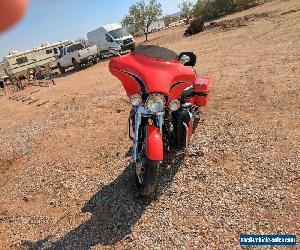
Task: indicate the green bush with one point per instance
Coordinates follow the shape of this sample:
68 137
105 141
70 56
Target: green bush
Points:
243 4
211 9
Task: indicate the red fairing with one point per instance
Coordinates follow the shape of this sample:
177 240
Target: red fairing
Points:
154 146
141 74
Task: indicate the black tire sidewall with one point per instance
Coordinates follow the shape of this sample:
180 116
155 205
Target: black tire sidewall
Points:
76 64
149 185
61 69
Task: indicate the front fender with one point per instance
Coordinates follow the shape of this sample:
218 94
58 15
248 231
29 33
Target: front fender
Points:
154 144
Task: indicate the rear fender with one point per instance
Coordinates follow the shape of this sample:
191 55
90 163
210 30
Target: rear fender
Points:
154 144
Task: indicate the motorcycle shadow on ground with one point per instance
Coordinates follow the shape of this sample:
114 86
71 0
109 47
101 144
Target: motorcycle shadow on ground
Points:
114 210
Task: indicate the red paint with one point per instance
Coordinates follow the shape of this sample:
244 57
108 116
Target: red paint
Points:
158 75
176 92
154 142
11 11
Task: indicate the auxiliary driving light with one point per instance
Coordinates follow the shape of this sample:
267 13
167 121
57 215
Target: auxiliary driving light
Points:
136 100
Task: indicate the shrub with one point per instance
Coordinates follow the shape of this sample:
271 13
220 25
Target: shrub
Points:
211 9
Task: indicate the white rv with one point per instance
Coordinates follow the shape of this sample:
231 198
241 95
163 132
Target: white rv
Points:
17 63
111 36
2 69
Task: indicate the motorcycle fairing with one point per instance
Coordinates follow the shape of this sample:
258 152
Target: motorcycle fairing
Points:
140 74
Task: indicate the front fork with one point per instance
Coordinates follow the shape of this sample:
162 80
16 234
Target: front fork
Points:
137 123
139 113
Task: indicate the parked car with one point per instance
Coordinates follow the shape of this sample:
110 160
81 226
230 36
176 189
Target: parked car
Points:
76 55
111 36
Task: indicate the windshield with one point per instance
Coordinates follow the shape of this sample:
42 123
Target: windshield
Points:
156 52
75 47
118 33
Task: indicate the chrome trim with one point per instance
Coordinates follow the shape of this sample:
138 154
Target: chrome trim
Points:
186 134
137 124
160 122
136 96
140 112
153 96
143 110
186 105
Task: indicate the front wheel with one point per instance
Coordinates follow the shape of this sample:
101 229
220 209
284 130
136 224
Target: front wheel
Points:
147 177
61 69
76 65
95 61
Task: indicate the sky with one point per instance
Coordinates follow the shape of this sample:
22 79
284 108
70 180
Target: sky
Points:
55 20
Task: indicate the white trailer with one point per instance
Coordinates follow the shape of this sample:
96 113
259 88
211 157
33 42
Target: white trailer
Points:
17 63
111 36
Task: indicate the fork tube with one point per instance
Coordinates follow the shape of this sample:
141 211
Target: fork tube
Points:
160 122
186 134
137 124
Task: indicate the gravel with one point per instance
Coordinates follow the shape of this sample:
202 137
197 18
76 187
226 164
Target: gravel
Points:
240 175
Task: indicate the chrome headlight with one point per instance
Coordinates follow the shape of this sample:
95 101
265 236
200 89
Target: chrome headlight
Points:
136 100
156 103
174 105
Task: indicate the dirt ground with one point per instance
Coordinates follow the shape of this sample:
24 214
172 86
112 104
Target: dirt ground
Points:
65 176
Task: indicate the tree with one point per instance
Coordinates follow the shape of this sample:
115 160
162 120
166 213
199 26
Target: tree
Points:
211 9
243 4
186 8
142 15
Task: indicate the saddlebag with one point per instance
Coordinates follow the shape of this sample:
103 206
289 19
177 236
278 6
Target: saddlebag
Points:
201 90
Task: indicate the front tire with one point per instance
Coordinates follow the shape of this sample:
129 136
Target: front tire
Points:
150 178
61 69
76 65
95 61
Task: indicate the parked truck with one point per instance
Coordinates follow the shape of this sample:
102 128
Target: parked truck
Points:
75 55
111 36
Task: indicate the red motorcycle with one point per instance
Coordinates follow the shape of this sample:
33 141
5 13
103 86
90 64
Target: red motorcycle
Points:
165 94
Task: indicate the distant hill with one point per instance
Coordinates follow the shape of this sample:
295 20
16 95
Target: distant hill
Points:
175 14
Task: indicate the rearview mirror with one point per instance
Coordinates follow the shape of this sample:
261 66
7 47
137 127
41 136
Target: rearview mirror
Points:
185 59
188 58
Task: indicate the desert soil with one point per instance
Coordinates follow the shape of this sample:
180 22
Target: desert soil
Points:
65 176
